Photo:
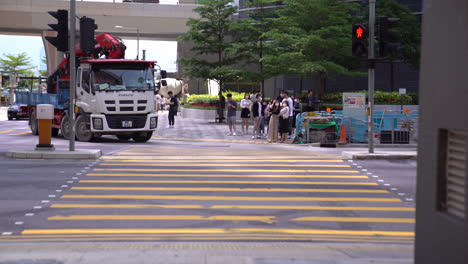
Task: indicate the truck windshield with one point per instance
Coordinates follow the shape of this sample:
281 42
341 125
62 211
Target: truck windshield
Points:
106 79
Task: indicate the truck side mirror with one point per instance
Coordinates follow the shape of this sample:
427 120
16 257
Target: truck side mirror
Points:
163 83
163 75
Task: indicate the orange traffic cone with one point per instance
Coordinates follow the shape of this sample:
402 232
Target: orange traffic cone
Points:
342 134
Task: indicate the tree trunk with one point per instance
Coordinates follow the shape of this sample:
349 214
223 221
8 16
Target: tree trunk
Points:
322 84
392 76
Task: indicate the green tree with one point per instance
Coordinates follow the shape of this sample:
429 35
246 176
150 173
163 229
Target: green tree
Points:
313 36
44 73
16 65
252 41
213 45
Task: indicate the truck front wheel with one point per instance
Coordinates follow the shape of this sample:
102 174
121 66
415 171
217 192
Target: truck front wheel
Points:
142 136
33 123
83 129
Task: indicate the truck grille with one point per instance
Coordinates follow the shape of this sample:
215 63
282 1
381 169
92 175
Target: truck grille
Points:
115 121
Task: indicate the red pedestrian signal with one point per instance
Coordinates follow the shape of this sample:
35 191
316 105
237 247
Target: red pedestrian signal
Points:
360 41
359 32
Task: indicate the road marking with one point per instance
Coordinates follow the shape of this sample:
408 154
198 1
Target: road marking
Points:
234 182
210 189
356 219
218 176
78 173
226 165
409 199
58 190
222 160
217 231
7 233
393 189
408 239
134 206
45 201
64 186
74 178
69 181
401 194
29 214
37 207
233 198
321 208
230 170
19 223
267 219
52 196
364 169
259 207
24 133
6 131
210 238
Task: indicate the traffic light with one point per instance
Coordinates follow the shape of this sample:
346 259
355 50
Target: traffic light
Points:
388 37
87 41
61 40
360 40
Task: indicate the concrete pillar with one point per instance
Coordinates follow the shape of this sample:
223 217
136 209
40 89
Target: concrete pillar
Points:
54 57
441 237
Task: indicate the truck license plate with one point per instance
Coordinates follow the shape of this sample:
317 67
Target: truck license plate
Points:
127 124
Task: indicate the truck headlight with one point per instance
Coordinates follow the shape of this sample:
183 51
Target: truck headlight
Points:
97 123
153 122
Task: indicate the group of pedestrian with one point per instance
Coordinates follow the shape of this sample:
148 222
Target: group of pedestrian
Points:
277 115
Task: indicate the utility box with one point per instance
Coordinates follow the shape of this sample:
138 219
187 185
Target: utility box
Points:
45 111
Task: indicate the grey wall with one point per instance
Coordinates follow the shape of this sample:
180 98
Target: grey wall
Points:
443 98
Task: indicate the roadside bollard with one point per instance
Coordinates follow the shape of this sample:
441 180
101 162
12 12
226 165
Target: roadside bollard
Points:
45 115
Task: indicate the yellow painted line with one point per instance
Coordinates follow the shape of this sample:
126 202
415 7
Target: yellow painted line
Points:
6 131
232 198
24 133
127 206
321 208
356 219
226 170
198 238
221 160
233 182
268 219
407 239
226 165
217 231
209 189
256 207
218 176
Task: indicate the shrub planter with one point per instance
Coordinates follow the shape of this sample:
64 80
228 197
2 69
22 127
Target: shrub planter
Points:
208 115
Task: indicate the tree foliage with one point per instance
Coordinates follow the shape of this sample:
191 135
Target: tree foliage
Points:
18 65
213 45
312 36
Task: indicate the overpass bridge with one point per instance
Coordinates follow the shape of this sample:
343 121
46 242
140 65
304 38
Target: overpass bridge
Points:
154 21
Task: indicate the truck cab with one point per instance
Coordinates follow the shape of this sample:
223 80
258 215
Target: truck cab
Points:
115 97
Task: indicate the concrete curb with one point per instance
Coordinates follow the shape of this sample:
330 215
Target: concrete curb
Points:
351 145
55 154
412 155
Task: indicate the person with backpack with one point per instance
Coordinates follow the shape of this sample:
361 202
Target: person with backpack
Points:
173 108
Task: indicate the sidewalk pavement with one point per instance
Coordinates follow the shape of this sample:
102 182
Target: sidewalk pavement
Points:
3 113
202 130
206 253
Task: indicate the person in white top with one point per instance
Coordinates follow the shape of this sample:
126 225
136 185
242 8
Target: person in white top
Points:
245 105
284 121
157 103
290 103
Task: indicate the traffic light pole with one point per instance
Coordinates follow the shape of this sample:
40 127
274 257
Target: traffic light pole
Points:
371 69
71 109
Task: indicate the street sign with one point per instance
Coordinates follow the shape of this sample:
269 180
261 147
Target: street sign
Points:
402 91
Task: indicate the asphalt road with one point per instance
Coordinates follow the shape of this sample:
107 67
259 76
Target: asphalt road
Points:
203 190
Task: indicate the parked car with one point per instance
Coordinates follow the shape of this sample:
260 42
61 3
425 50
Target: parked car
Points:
17 111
